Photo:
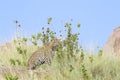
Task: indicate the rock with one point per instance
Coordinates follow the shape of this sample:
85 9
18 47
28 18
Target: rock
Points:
7 46
112 47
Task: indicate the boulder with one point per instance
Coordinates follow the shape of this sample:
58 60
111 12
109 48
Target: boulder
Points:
112 46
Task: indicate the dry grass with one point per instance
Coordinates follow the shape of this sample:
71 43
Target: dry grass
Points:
93 67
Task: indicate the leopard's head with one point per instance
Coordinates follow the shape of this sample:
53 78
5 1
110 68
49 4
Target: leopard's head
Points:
55 43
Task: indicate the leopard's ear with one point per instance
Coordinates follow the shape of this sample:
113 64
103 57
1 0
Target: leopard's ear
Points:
51 40
55 39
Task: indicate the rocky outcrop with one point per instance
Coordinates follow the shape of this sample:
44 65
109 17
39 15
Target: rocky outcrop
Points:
112 47
7 46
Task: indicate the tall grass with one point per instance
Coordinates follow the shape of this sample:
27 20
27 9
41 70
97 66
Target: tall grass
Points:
70 62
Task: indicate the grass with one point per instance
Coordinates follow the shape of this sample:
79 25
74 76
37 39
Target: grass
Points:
70 62
101 68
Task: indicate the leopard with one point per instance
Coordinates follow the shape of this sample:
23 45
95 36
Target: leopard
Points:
43 55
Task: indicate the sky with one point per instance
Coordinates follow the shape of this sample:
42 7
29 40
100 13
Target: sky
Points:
98 18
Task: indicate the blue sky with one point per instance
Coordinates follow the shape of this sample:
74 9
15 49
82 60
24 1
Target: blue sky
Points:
97 17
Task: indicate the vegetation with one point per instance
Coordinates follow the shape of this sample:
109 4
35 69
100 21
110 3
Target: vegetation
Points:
70 62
